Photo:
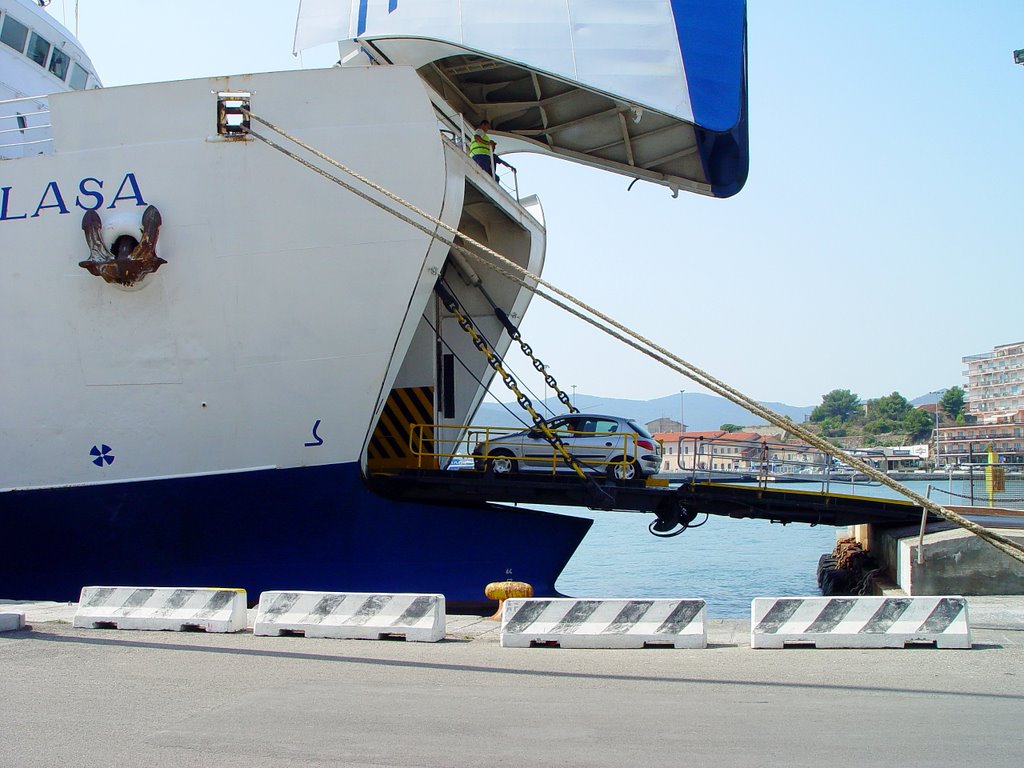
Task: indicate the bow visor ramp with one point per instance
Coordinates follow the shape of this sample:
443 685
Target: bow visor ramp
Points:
651 89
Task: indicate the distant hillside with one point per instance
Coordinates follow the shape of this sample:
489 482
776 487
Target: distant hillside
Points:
701 412
931 397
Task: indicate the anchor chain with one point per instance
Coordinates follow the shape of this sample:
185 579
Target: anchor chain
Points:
452 305
527 350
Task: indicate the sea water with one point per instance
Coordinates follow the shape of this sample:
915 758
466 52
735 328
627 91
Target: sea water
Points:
727 561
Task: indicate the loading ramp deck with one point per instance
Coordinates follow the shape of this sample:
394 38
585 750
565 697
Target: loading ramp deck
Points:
783 505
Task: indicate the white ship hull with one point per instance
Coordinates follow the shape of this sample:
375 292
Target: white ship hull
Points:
277 282
255 363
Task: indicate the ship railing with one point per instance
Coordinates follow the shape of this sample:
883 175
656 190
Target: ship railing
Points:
502 171
764 461
470 447
25 126
994 486
458 132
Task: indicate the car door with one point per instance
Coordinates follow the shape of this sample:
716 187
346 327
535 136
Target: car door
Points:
598 443
539 454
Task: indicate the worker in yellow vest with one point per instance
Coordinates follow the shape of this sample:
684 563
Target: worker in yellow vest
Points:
481 149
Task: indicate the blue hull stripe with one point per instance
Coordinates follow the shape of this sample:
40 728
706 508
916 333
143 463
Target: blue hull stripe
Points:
309 528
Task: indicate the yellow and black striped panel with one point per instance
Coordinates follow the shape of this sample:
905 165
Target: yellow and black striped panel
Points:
389 447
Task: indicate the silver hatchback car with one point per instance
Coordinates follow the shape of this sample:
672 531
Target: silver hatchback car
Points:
620 448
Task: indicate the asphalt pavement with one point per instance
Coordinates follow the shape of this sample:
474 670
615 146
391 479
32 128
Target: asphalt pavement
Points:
109 697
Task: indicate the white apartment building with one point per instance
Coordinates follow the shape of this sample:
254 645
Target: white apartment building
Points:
995 381
995 397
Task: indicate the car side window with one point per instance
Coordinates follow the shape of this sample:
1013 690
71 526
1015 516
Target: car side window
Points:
574 425
559 425
605 425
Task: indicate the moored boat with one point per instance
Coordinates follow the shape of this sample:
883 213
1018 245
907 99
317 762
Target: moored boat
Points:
209 348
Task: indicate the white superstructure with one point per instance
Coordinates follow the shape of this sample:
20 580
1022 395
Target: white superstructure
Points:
37 57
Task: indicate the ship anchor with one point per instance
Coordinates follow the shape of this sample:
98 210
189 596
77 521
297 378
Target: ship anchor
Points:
131 259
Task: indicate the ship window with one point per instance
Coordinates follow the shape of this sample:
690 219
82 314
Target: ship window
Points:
38 49
59 64
79 77
14 34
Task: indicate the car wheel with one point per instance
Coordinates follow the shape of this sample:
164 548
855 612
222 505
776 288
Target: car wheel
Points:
625 473
502 464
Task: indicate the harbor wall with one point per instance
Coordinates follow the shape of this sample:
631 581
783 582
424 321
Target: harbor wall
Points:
954 562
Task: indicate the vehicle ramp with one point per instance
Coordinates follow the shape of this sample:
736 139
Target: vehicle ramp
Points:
674 505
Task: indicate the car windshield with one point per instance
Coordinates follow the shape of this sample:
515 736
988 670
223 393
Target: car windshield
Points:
641 431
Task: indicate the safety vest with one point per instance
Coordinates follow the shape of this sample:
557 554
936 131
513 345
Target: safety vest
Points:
480 145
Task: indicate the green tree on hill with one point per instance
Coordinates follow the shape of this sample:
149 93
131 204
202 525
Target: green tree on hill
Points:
833 427
892 407
839 404
886 414
917 424
731 428
879 426
952 402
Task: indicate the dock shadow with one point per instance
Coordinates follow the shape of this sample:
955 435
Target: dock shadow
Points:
483 670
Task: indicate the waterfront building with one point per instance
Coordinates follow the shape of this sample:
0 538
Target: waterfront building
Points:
904 457
718 451
995 381
994 410
664 424
969 443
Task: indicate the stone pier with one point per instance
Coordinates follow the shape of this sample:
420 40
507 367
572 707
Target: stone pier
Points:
949 560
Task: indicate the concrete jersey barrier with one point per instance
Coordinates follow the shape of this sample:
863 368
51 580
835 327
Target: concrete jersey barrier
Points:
351 615
859 622
161 608
603 623
11 621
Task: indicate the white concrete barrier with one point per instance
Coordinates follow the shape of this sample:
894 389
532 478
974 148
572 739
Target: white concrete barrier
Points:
168 608
859 622
11 621
351 615
603 623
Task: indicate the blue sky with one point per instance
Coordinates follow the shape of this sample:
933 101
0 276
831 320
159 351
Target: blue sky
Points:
877 241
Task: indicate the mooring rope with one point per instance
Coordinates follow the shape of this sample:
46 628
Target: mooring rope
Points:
531 281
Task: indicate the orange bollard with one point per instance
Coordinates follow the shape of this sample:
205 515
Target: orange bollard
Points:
502 590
